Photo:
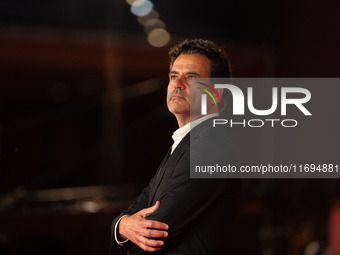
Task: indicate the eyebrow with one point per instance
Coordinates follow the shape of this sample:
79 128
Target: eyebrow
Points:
187 73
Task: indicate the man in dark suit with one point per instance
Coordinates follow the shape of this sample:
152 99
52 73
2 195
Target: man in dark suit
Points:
176 214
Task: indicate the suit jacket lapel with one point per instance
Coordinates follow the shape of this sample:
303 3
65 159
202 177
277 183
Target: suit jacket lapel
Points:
169 160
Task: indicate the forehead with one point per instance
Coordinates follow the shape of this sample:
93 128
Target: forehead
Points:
191 62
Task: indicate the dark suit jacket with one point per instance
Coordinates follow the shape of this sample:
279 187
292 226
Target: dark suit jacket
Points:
199 212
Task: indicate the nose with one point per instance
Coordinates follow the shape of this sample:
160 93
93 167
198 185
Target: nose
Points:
180 83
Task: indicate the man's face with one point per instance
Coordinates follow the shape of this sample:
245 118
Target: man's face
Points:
185 68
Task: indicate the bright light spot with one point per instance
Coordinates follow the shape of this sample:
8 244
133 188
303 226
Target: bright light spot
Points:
152 15
158 37
152 24
141 7
130 2
136 2
90 206
312 248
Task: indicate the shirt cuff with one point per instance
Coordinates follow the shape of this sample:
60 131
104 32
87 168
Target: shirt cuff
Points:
121 243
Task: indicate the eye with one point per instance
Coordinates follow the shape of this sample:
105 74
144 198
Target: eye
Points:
191 77
173 77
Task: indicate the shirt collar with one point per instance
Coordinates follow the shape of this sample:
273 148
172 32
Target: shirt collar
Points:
179 134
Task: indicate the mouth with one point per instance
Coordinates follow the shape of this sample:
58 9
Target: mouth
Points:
176 96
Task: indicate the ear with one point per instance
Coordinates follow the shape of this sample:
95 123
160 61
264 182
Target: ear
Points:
220 92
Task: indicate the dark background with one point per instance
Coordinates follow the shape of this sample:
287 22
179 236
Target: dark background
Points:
84 125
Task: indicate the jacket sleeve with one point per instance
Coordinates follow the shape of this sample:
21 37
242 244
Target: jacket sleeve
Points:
139 204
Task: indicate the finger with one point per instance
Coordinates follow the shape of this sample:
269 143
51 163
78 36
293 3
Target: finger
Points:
151 209
155 224
151 242
148 248
150 233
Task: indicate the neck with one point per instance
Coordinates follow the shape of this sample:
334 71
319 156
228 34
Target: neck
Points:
182 120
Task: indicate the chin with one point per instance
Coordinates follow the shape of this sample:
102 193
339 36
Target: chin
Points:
178 112
177 109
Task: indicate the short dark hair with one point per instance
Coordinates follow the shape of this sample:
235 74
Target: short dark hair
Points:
219 62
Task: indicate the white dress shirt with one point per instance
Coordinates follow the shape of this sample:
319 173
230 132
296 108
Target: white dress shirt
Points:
179 134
